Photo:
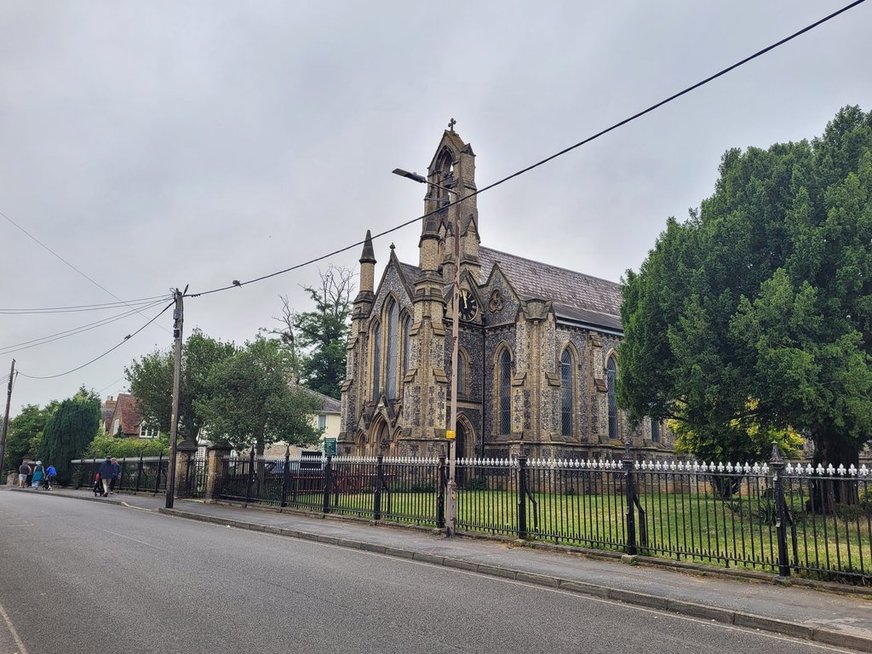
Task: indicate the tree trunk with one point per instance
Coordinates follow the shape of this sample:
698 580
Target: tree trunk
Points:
833 449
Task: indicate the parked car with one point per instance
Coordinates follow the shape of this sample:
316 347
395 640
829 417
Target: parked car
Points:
307 461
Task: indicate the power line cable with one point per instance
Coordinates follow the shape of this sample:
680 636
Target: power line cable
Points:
90 279
25 345
595 136
97 358
84 307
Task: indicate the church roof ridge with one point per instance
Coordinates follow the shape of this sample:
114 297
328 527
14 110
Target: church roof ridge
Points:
550 265
581 294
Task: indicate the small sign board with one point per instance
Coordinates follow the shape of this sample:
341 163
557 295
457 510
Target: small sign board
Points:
330 446
449 434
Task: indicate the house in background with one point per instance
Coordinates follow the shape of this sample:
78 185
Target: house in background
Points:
327 420
121 415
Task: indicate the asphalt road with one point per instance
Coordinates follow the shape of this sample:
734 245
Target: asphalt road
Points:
88 577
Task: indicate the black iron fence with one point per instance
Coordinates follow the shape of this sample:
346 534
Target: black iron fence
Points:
192 478
139 475
772 516
146 474
394 489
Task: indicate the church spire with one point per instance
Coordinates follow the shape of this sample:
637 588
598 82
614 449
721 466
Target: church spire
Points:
367 268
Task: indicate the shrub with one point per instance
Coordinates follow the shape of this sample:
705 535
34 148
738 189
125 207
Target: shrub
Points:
103 446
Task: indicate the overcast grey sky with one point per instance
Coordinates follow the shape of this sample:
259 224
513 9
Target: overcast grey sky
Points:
158 144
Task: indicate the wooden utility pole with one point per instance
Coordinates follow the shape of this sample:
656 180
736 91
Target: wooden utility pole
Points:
6 421
178 319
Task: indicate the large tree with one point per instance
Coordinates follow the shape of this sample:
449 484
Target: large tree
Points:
26 432
70 430
252 400
755 315
151 382
323 332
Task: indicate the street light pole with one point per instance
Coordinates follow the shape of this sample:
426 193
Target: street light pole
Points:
179 317
451 432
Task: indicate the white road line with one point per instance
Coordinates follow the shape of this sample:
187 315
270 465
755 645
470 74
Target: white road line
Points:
136 540
138 508
18 642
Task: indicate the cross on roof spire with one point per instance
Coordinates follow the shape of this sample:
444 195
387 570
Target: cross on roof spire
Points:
451 124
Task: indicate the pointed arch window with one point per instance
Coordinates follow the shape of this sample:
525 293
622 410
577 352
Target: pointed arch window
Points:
407 343
612 373
392 341
462 371
376 361
505 388
444 168
567 393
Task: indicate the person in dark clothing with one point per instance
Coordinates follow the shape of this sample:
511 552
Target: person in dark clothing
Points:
106 475
23 474
116 474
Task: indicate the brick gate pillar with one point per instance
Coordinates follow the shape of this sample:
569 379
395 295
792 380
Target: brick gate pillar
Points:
215 455
185 452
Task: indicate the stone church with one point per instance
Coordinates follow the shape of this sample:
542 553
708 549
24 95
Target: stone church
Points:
537 360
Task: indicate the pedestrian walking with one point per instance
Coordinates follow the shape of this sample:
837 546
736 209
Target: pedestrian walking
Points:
51 475
23 472
105 473
38 475
116 474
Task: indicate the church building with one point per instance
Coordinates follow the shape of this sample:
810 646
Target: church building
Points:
537 360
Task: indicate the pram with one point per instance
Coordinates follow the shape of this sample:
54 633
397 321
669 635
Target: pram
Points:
98 485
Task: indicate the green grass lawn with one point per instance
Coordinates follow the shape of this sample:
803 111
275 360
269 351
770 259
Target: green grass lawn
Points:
689 526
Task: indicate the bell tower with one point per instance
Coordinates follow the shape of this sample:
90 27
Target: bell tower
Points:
451 179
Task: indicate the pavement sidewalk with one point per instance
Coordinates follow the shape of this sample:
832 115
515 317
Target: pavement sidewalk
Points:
825 613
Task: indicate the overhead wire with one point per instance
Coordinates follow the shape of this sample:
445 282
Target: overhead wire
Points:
25 345
84 307
639 114
499 182
67 263
111 349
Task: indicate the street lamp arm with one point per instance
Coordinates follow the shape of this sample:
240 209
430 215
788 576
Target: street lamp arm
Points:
413 176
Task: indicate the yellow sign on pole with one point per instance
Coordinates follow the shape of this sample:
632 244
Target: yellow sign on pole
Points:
449 434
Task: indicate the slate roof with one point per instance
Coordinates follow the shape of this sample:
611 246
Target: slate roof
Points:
574 296
410 272
328 404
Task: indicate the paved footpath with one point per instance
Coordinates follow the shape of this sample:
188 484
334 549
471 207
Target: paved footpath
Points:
825 613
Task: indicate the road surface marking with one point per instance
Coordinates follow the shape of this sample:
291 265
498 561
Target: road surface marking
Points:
138 508
136 540
18 642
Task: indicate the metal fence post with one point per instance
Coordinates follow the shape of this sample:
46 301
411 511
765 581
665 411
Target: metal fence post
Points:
522 496
328 484
286 475
139 472
379 479
440 493
159 469
630 489
250 476
777 465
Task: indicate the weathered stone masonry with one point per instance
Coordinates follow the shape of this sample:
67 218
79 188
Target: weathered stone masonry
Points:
395 398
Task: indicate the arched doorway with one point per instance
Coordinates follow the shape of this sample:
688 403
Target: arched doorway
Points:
379 439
